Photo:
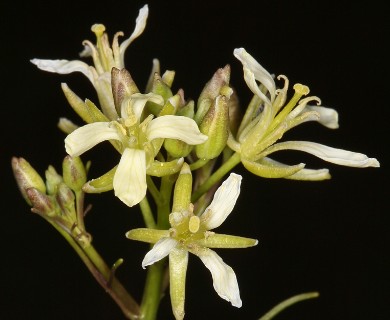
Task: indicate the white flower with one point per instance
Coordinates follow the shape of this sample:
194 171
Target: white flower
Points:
104 59
191 233
135 139
268 117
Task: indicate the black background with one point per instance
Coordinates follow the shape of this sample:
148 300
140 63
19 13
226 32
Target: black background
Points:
330 236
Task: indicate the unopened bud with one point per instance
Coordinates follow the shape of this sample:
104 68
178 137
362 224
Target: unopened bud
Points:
40 202
53 179
65 198
215 125
74 173
211 91
123 86
26 177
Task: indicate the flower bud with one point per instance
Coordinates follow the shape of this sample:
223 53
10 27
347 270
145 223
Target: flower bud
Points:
65 198
26 177
123 86
215 125
74 173
211 91
53 179
40 202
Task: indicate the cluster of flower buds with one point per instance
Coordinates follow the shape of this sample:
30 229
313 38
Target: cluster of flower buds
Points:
57 197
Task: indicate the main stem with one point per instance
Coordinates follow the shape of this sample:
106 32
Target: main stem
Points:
153 286
102 273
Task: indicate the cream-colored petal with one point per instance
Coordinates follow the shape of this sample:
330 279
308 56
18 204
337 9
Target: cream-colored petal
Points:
159 251
253 70
65 67
223 202
137 103
140 24
224 279
178 262
333 155
176 127
328 116
130 177
89 135
310 175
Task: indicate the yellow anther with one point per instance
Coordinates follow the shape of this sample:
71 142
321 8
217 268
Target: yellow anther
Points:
193 224
301 89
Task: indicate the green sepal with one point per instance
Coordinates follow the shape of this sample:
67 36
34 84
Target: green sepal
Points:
160 169
102 184
146 234
86 110
215 240
269 169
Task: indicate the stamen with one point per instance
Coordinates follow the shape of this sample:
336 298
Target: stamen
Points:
194 224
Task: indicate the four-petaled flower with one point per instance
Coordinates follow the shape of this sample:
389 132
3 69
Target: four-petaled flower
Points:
139 143
191 233
104 58
268 117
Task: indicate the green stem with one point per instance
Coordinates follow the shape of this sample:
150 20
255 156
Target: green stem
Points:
198 164
102 273
153 286
216 176
152 293
153 190
288 302
80 209
147 214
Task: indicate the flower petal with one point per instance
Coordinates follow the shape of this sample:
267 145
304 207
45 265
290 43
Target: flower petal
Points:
130 177
65 67
254 71
176 127
223 202
137 103
224 279
89 135
328 116
333 155
140 24
159 251
178 262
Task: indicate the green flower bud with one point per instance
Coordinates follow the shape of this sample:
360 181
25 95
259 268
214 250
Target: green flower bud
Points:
161 88
26 177
211 91
53 179
74 173
215 125
65 198
177 148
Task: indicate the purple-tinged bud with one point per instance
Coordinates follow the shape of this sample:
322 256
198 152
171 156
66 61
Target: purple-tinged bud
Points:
215 125
41 203
74 173
26 177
